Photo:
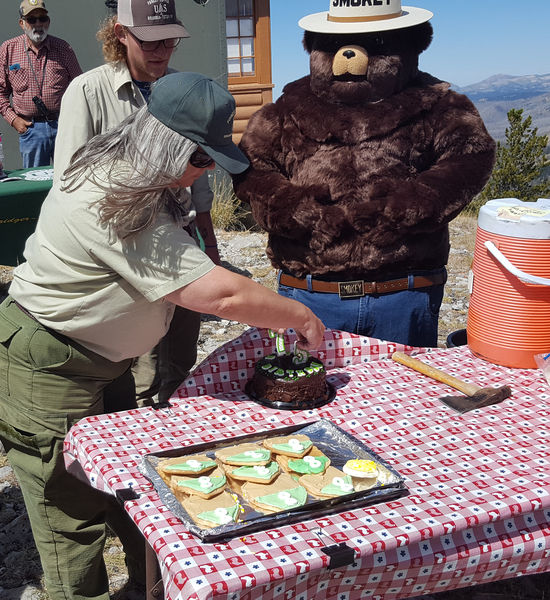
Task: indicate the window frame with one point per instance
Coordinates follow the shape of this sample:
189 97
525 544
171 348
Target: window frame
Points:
262 47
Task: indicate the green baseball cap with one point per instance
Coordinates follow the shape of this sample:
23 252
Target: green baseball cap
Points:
201 110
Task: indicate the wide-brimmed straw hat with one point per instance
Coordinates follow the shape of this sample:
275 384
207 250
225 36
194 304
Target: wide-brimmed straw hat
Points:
344 16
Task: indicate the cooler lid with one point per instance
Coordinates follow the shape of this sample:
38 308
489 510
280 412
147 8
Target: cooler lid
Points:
514 218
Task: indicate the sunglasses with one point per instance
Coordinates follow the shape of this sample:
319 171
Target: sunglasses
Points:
33 20
152 46
200 160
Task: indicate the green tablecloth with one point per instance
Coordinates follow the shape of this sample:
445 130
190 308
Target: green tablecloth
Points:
20 203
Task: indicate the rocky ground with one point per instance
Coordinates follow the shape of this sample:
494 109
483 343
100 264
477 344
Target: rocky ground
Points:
20 572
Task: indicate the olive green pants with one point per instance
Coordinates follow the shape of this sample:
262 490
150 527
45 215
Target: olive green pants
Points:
47 383
159 372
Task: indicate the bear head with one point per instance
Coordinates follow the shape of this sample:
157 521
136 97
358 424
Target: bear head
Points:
357 68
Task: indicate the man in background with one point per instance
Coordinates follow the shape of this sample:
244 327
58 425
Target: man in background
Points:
36 69
137 45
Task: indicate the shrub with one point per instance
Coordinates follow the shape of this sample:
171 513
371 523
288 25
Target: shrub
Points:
228 213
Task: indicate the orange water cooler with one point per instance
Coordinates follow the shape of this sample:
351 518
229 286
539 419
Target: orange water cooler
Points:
509 312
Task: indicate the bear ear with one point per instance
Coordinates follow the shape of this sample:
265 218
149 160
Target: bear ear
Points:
308 40
420 36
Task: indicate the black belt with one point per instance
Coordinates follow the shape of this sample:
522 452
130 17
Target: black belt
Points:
24 310
50 117
356 289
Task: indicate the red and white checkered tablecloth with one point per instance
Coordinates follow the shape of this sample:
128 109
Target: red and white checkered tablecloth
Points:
479 503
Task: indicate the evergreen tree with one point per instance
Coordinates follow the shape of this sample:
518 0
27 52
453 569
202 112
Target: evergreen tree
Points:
518 171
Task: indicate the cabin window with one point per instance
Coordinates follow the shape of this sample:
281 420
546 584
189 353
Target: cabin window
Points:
241 58
248 58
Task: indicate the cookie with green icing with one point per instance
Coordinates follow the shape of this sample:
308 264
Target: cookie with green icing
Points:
222 509
204 486
281 495
259 473
244 455
332 483
313 463
194 464
289 445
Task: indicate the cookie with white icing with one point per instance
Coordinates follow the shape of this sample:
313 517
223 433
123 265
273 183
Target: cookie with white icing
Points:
331 484
289 445
364 473
195 464
203 486
244 455
361 468
313 463
222 509
263 474
283 494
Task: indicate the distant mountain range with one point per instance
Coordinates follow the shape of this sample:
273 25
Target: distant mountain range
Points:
495 96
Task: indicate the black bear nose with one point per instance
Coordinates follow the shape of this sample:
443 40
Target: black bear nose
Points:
349 53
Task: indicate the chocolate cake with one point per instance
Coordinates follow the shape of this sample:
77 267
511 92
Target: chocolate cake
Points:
280 378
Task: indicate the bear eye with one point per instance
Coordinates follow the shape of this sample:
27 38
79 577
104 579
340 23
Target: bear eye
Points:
376 45
331 47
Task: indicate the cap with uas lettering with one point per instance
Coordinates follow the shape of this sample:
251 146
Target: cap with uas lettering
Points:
201 110
151 20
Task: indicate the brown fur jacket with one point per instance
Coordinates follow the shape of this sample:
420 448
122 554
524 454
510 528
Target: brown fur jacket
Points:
363 191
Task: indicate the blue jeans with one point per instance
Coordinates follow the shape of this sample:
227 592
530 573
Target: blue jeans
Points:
407 317
37 144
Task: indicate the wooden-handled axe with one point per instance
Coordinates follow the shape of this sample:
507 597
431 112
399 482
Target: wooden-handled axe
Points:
476 397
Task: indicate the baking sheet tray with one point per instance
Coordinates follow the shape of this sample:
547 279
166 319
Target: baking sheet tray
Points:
333 441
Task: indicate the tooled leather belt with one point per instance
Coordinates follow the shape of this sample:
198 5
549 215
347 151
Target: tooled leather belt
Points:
356 289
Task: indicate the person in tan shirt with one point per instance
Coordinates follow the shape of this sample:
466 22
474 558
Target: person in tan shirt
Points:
106 266
137 48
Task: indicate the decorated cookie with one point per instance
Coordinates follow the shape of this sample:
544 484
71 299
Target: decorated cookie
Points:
329 485
290 445
195 464
283 494
204 486
259 473
219 510
244 454
314 462
361 468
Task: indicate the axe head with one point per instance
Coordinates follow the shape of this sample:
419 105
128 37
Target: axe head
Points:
483 397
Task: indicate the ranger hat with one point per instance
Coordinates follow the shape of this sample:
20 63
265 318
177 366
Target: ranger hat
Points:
201 110
364 16
151 20
27 6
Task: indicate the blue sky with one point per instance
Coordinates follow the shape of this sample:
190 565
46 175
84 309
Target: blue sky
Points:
473 39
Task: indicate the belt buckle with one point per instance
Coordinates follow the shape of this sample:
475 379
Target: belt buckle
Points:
350 289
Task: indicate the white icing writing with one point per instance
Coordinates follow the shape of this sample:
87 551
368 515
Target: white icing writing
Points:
223 515
287 498
312 462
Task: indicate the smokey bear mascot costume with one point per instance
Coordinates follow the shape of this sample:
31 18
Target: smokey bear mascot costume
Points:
357 169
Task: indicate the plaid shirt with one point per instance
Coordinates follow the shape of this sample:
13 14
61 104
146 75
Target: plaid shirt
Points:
54 64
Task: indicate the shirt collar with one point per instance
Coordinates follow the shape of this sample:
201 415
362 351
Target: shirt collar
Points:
45 44
122 77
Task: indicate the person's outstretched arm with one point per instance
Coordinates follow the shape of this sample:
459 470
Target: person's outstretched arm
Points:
231 296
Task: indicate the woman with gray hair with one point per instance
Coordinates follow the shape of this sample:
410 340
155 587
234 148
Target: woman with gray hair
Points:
105 267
